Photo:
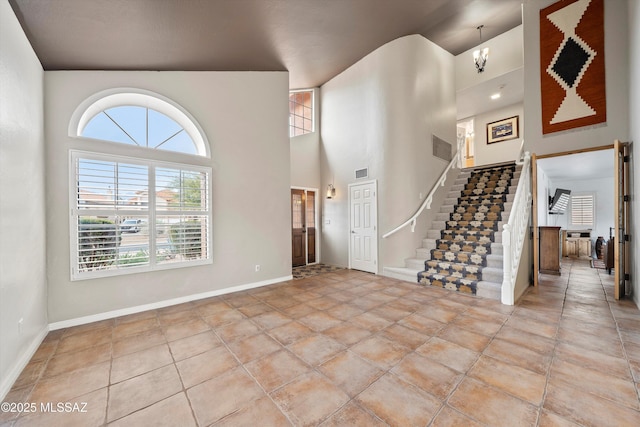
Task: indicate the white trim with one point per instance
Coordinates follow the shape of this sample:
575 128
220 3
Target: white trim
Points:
144 98
13 374
160 304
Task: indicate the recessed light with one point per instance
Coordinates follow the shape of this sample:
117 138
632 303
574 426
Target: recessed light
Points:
495 96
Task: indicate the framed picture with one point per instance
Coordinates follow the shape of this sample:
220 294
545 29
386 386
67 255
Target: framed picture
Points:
502 130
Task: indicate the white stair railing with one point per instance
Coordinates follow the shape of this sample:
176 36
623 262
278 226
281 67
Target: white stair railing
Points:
514 231
456 162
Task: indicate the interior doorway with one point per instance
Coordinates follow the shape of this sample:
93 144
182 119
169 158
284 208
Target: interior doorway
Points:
596 182
303 226
465 136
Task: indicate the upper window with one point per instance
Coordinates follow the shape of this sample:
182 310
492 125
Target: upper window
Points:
300 112
582 209
140 118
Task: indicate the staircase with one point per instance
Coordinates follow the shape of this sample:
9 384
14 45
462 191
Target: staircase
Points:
463 249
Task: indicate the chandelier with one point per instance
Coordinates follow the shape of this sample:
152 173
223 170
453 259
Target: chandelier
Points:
480 55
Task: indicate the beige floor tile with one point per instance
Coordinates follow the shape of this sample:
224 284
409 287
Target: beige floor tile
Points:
262 412
404 336
290 332
593 360
428 375
485 327
344 311
549 419
135 327
67 362
205 366
237 330
276 369
422 324
448 417
448 354
380 351
440 314
298 310
350 372
464 337
84 340
15 395
492 407
65 387
184 348
352 414
347 334
233 391
141 391
30 374
370 321
519 356
185 329
586 409
143 361
399 403
309 399
84 411
142 341
255 309
316 349
254 348
595 382
94 326
528 340
323 303
520 382
171 318
46 350
219 318
319 321
172 411
271 320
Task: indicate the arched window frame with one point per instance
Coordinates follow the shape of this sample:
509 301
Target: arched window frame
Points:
157 217
110 98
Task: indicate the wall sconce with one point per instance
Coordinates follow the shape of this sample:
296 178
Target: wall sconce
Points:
480 55
331 191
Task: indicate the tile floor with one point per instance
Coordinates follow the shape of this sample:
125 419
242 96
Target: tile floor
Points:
350 349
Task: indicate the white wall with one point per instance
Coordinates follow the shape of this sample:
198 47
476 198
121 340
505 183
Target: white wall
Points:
617 78
23 286
381 113
245 116
505 55
634 102
305 153
486 154
604 204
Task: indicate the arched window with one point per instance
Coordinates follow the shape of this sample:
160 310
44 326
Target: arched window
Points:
141 118
132 214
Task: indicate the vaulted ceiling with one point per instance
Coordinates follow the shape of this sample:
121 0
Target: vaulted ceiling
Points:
313 39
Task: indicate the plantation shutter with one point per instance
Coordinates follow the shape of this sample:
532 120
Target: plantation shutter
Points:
582 209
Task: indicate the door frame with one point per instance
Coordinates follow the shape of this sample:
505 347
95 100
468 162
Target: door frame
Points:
317 211
375 189
534 195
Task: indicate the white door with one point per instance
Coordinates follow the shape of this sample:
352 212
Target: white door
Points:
363 221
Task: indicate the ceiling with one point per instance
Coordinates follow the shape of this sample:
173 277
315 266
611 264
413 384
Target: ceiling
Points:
313 39
580 166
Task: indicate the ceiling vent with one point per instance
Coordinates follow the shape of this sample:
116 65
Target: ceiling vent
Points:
362 173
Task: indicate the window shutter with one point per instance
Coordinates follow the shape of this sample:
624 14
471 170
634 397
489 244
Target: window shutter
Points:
582 209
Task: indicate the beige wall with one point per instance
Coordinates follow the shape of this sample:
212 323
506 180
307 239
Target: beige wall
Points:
245 116
634 97
23 286
381 113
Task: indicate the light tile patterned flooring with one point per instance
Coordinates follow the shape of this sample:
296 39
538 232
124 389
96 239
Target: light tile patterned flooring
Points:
351 349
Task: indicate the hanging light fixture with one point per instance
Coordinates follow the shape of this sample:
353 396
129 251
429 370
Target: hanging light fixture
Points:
331 191
480 55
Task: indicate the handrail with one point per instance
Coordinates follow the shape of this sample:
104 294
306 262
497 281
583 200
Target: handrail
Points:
514 231
455 162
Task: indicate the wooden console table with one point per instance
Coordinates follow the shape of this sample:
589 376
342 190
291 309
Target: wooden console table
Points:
550 250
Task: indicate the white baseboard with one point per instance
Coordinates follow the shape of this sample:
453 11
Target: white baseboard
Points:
23 360
160 304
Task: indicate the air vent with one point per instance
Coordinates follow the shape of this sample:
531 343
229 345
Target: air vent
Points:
362 173
441 148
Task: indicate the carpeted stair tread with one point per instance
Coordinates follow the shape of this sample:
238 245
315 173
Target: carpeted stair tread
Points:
481 248
471 258
475 215
477 235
